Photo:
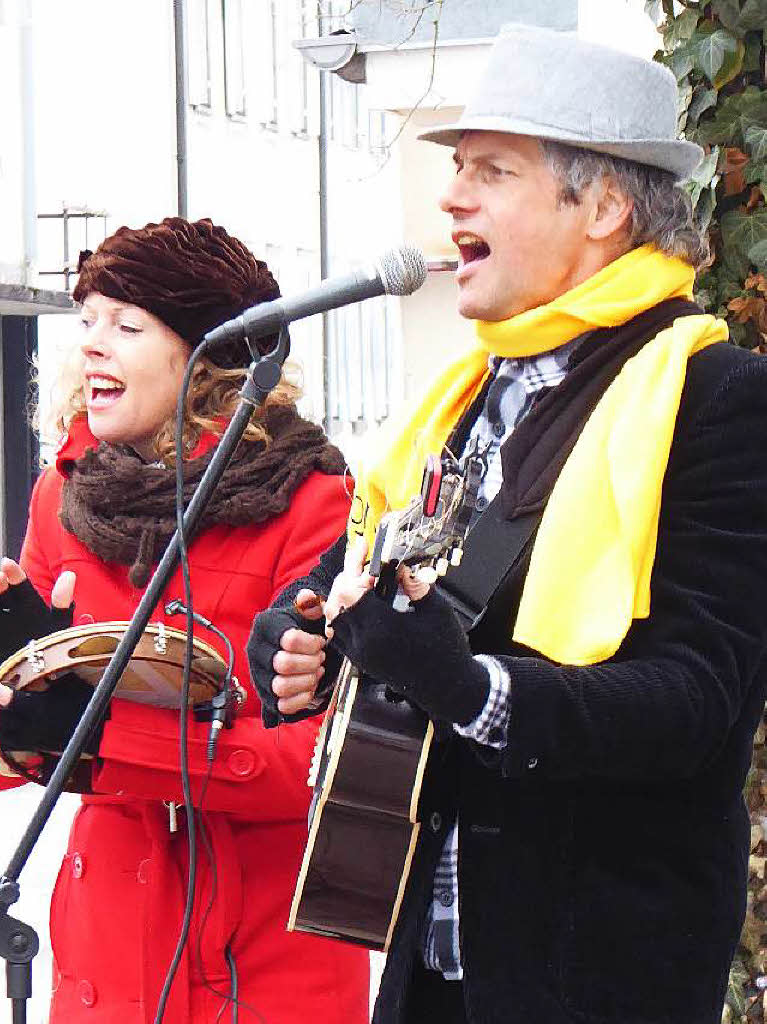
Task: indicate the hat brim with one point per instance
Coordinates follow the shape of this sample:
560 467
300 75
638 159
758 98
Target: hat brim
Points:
678 156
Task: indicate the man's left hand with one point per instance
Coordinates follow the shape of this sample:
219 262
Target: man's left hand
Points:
422 654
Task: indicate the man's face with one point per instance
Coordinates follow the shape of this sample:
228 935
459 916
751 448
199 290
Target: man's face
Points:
520 247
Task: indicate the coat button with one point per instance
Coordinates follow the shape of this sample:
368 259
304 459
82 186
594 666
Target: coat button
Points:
78 866
87 993
143 872
435 821
532 763
446 898
241 763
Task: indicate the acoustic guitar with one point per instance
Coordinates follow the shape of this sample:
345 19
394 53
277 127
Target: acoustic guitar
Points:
371 751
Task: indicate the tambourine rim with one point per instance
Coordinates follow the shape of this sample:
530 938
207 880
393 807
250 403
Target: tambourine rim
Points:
101 628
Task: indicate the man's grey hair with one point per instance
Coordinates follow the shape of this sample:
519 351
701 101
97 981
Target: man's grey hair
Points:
662 212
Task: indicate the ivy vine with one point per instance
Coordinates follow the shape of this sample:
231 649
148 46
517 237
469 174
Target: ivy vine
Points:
716 50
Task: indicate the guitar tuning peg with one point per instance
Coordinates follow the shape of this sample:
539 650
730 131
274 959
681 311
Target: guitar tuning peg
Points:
426 574
442 566
455 556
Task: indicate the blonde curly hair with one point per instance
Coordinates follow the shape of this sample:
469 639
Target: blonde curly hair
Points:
210 403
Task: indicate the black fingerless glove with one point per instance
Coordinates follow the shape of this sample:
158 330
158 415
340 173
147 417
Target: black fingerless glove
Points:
422 654
263 644
38 720
24 616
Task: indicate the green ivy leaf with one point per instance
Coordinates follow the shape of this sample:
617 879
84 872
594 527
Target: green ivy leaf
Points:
684 95
753 16
680 29
728 12
719 55
752 61
733 117
704 173
755 139
741 232
749 17
758 255
681 62
654 8
756 174
702 100
704 208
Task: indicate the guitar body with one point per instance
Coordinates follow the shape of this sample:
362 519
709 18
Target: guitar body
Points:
371 752
369 763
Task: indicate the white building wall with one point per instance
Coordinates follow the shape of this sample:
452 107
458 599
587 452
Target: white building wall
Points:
12 147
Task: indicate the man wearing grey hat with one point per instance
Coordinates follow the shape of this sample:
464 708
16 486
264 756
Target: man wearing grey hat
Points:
597 666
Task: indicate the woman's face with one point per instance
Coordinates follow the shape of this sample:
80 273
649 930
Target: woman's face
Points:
133 365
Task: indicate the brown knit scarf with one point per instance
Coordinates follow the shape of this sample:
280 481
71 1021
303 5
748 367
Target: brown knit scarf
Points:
124 510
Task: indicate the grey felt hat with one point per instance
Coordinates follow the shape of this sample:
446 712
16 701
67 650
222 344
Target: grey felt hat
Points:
553 85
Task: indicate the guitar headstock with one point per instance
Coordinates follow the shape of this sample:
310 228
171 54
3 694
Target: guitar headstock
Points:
428 533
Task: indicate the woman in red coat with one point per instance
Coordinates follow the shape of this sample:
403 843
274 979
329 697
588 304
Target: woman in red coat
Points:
99 521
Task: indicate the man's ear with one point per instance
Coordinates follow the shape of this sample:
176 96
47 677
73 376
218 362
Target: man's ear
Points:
610 211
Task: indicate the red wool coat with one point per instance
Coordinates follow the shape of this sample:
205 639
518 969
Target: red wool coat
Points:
119 898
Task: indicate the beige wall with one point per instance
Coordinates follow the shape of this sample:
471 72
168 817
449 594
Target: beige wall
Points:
432 331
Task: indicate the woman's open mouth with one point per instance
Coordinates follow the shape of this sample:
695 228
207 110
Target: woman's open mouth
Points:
103 392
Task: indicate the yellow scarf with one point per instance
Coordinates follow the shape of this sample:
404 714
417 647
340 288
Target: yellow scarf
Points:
589 575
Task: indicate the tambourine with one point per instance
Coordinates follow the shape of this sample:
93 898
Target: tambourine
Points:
153 675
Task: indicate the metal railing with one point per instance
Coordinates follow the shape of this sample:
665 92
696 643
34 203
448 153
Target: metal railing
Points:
67 214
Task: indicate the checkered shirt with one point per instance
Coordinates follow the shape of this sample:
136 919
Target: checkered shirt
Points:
514 386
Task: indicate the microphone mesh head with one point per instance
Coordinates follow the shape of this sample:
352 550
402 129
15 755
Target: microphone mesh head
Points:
402 270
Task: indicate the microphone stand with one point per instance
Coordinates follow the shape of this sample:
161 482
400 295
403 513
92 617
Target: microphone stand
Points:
18 941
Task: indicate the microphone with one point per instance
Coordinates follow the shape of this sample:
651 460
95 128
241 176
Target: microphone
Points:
397 271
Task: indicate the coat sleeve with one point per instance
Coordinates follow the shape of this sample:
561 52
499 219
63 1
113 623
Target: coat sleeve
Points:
665 705
258 773
36 560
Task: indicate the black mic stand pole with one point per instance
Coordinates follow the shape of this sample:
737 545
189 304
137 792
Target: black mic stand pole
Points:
18 941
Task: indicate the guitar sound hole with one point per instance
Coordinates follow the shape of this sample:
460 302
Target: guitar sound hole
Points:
392 696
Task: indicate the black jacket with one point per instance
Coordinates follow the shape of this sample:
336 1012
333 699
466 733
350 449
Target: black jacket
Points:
603 856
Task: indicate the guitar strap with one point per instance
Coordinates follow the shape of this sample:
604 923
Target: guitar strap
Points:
499 542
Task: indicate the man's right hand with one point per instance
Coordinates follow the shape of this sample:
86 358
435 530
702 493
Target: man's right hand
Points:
287 662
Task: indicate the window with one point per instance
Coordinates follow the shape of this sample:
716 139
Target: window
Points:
299 71
234 60
360 373
198 55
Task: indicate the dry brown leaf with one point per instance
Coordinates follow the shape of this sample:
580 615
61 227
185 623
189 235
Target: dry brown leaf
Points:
745 308
734 170
755 198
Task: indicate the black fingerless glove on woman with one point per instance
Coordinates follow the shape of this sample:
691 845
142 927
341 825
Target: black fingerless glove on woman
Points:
45 720
24 616
263 644
422 654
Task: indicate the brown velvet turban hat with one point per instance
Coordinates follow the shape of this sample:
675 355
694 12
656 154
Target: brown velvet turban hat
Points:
191 275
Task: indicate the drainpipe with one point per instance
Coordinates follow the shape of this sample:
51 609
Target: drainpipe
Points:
29 184
324 248
181 107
